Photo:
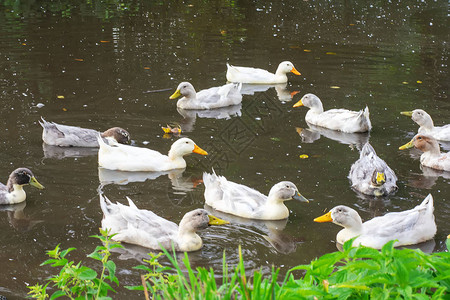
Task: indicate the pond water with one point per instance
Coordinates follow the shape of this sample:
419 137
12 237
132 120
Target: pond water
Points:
99 65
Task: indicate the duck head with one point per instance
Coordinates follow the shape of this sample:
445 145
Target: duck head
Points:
422 142
119 134
310 101
184 89
286 190
421 117
341 215
185 146
286 67
22 176
199 219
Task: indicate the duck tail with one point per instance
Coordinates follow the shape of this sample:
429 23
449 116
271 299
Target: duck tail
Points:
367 150
43 123
367 118
428 204
104 203
131 203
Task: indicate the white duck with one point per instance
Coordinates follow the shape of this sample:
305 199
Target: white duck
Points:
240 200
13 192
431 156
71 136
128 158
211 98
260 76
371 175
423 119
408 227
337 119
144 228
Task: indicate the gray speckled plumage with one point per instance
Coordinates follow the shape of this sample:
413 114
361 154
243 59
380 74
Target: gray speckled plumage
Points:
362 174
72 136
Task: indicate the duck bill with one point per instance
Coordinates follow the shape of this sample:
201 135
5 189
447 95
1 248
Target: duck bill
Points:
36 183
294 70
300 198
408 145
175 95
199 150
216 221
325 218
407 113
381 178
298 104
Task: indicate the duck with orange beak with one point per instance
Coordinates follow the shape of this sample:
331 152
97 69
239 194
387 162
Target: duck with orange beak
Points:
260 76
128 158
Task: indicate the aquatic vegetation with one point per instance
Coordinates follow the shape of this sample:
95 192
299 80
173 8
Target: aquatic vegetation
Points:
355 273
76 281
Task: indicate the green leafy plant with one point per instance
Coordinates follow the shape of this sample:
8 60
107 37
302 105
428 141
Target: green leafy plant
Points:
355 273
76 281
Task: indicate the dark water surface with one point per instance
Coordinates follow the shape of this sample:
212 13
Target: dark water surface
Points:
116 65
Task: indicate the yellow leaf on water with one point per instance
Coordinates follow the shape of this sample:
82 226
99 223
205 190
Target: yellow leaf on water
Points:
419 81
79 59
223 32
335 87
303 156
147 68
351 24
331 53
405 82
60 97
64 109
24 44
306 50
104 41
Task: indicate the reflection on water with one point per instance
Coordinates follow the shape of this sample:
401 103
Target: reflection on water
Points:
283 93
56 152
93 64
17 217
313 133
190 115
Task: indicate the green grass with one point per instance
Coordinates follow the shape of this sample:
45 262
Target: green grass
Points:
354 273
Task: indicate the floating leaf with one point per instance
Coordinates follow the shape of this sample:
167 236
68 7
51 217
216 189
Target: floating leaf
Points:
64 109
304 156
351 24
405 82
60 97
104 41
79 59
223 32
419 81
335 87
275 139
331 53
172 129
306 50
147 68
24 44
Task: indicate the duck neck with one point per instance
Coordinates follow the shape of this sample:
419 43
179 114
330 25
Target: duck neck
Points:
276 206
281 75
317 108
16 194
176 159
188 240
427 124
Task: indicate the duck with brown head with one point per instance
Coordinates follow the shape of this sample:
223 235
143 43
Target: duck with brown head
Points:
431 156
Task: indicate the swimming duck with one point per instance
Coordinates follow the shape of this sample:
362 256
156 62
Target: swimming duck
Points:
128 158
211 98
431 156
337 119
407 227
371 175
13 192
423 119
260 76
72 136
240 200
143 227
